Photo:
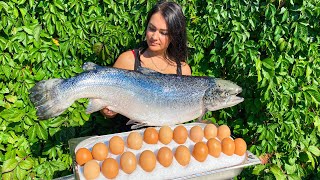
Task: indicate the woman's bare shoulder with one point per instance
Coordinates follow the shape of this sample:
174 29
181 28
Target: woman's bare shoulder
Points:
125 61
186 70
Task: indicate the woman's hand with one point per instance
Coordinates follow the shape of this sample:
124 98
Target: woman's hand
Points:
108 113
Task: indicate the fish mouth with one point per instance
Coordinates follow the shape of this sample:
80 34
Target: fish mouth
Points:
233 100
229 102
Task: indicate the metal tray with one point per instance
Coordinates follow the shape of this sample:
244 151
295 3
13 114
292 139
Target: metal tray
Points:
222 173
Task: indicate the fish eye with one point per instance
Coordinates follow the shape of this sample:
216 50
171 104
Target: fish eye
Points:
225 94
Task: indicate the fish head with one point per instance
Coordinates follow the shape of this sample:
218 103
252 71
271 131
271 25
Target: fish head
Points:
221 95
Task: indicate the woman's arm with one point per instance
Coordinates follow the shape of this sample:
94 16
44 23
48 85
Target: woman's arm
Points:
186 70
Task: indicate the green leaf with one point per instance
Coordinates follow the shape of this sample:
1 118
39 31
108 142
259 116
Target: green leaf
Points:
52 131
58 165
26 164
15 12
317 123
44 124
12 114
293 177
285 14
268 63
9 165
97 48
40 75
311 159
257 169
32 132
28 121
31 3
36 32
4 90
7 70
315 95
8 175
277 172
21 173
21 2
314 150
4 5
52 152
41 133
290 168
50 27
21 153
3 43
11 98
58 4
23 11
278 30
56 122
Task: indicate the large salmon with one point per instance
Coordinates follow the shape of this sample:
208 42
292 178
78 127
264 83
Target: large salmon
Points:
145 96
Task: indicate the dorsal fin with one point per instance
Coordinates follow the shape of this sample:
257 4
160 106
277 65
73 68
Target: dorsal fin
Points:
144 70
87 66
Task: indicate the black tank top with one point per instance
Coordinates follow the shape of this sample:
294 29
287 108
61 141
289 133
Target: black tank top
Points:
137 61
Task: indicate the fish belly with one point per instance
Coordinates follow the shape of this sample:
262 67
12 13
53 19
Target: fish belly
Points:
153 109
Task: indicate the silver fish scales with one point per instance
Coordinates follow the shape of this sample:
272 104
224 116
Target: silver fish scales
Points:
145 96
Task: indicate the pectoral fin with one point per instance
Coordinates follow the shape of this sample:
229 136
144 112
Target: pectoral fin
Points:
201 116
136 124
95 105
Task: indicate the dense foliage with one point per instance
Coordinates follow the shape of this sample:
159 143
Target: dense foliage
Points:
269 47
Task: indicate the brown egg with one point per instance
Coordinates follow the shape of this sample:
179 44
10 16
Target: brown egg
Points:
128 162
223 132
165 156
99 151
227 146
240 146
134 140
200 151
210 131
147 160
116 145
165 134
150 135
182 155
91 170
214 147
83 155
110 168
196 134
180 134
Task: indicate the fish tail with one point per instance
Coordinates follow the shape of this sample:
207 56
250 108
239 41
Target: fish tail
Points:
47 100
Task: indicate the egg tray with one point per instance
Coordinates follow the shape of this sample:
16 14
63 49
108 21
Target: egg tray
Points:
223 167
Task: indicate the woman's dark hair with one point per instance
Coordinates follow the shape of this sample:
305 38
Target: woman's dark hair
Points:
173 15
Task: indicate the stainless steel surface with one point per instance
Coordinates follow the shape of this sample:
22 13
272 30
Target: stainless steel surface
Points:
72 145
69 177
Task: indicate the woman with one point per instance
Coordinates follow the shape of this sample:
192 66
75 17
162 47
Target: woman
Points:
165 49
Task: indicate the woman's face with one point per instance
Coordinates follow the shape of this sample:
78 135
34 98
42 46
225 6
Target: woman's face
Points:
157 33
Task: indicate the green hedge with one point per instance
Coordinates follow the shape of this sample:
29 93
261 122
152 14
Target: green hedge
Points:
270 48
